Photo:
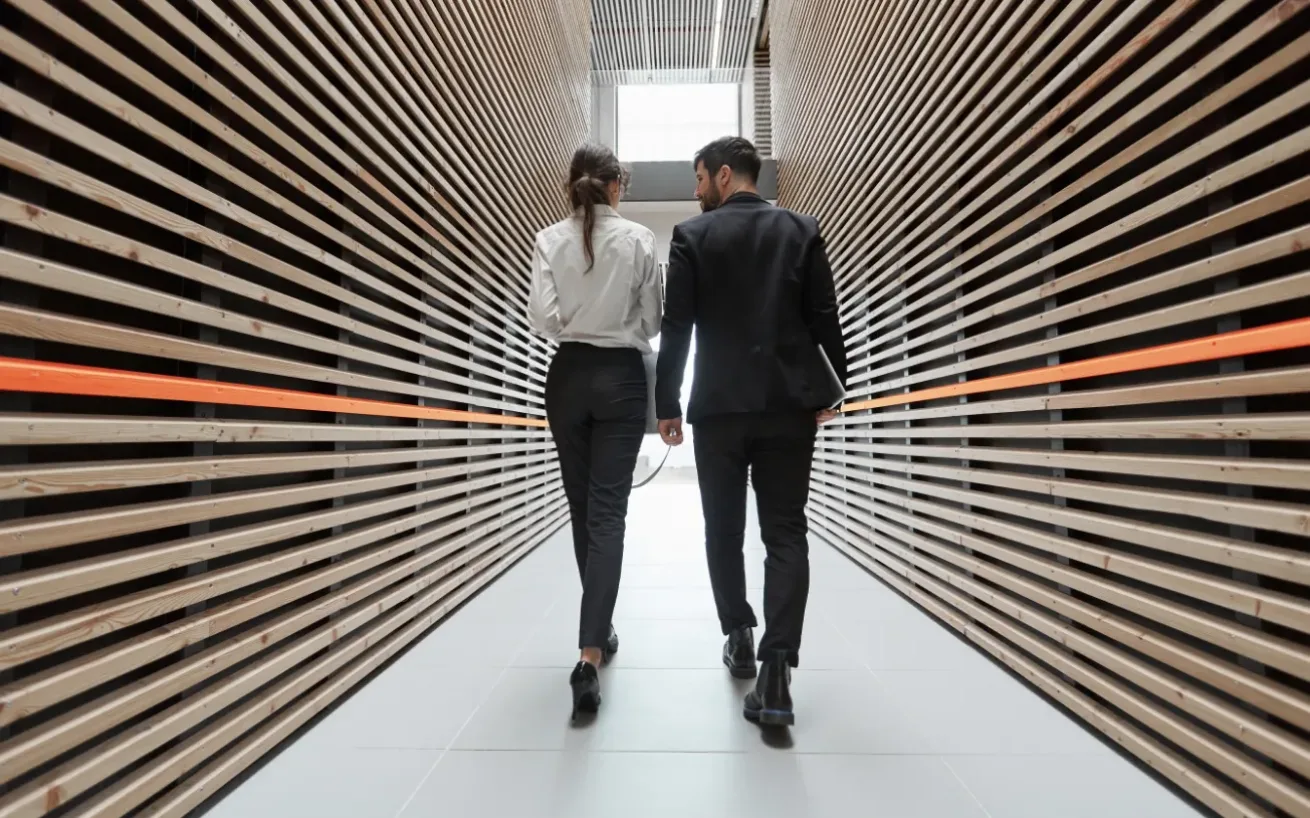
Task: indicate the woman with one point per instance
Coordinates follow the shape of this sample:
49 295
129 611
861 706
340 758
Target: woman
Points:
597 291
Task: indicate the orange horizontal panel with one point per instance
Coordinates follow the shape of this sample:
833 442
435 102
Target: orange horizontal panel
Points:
19 375
1270 338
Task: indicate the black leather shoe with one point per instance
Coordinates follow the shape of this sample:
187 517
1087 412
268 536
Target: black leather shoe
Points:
739 654
585 682
770 702
611 647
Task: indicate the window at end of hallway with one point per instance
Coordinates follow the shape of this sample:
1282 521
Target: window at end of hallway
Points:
663 123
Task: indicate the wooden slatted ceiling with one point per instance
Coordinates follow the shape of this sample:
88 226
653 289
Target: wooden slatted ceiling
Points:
269 407
636 42
1019 193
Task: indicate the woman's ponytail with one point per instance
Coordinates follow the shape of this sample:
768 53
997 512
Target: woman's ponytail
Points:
593 169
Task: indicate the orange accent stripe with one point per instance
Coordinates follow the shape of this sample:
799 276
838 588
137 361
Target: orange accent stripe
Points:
1287 335
19 375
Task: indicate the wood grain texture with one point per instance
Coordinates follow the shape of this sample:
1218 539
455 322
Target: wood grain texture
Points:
1036 213
270 407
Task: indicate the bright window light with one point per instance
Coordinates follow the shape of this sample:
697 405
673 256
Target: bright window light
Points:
661 123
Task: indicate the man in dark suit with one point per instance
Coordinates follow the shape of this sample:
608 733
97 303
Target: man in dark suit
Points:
754 282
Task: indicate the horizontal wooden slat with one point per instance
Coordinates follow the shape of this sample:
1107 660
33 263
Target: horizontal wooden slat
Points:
69 478
53 429
46 689
72 729
31 588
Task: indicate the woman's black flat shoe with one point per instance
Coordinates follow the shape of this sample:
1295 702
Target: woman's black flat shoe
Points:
585 682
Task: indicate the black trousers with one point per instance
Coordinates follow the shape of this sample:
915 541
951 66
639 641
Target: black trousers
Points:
596 405
778 451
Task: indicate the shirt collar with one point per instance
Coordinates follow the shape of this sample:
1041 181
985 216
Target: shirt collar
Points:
605 211
744 196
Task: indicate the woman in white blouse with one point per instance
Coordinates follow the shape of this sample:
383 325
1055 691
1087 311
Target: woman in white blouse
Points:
597 291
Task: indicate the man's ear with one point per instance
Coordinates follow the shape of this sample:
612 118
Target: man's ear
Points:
724 176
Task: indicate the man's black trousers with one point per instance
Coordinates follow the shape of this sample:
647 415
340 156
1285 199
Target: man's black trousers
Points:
777 449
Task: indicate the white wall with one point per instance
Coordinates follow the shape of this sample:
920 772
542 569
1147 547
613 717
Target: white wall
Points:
746 101
662 217
604 116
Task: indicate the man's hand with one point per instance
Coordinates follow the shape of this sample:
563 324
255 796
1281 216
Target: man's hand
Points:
824 416
671 431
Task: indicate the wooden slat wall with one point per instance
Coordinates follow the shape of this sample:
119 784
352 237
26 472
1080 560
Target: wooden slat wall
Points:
1007 185
331 197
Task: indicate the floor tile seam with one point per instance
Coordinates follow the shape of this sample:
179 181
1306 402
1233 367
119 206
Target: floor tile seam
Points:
422 782
956 775
476 709
858 655
446 750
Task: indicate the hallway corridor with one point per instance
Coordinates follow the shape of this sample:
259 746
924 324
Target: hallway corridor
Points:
896 718
272 405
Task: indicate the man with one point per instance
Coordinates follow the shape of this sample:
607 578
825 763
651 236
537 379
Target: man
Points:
754 282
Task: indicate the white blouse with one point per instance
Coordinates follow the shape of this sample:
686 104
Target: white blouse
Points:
619 302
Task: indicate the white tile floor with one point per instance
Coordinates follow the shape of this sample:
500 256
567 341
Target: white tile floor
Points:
896 718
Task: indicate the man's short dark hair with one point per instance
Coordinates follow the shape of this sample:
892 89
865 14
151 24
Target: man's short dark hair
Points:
735 152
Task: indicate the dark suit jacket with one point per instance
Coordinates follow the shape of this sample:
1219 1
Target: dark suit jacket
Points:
754 282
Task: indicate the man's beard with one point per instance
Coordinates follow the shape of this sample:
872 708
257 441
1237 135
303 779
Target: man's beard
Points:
710 200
